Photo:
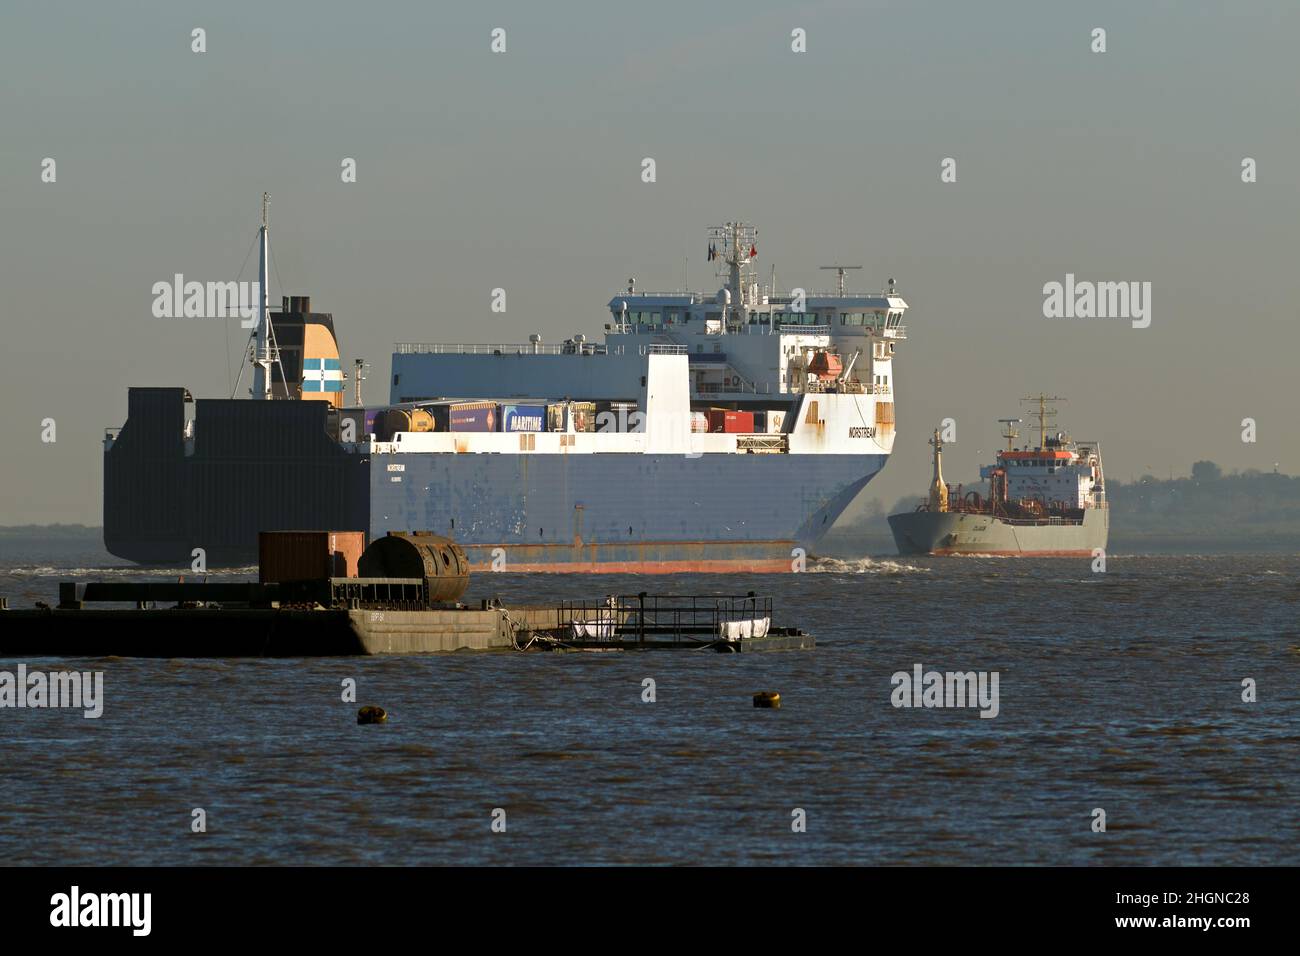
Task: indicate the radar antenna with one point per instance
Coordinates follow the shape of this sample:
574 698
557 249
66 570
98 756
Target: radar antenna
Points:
1010 433
840 270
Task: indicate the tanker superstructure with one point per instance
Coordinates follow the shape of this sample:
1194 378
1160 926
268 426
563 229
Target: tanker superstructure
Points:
710 432
1043 501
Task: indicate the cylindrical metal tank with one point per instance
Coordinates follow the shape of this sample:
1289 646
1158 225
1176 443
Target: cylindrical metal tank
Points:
408 420
419 554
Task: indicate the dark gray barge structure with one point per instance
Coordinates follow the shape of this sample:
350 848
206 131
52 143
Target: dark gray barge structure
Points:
371 616
404 599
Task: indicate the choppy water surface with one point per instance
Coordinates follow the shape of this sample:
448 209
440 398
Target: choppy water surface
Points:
1119 690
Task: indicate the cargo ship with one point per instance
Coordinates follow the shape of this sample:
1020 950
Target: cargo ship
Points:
707 432
1044 501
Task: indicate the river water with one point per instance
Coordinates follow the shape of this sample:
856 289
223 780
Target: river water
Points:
1119 691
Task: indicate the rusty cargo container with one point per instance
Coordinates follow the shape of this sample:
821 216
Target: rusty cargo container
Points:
308 555
729 420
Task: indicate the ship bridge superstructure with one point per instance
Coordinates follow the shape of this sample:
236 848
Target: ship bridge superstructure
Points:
799 359
1057 475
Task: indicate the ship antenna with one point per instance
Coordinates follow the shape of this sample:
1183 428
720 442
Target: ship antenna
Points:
840 270
1010 433
1044 413
264 353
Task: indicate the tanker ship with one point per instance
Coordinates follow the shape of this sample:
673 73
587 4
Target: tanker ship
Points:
707 432
1044 501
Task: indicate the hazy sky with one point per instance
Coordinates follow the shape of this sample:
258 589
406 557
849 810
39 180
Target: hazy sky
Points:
522 170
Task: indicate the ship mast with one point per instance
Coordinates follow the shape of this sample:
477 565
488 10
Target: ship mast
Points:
938 490
1043 414
264 353
359 376
737 246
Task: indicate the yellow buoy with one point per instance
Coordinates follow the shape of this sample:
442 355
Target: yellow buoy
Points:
767 698
372 715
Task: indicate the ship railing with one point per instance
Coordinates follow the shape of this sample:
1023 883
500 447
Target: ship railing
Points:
1037 522
649 619
692 297
641 328
785 329
784 297
853 388
745 388
662 349
874 329
525 348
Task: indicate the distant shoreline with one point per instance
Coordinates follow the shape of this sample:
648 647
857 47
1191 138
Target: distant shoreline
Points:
51 531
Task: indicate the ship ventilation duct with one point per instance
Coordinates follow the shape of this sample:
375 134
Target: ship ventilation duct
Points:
295 304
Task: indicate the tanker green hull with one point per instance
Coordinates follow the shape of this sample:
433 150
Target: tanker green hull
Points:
951 532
